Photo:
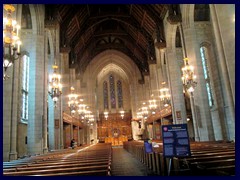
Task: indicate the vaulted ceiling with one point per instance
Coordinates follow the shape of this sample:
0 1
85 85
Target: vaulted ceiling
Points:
88 30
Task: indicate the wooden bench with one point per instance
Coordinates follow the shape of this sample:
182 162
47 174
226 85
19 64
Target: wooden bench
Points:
83 173
58 171
207 160
210 167
47 166
201 152
95 160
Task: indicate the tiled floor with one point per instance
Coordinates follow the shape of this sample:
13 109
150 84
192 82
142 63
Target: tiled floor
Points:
125 164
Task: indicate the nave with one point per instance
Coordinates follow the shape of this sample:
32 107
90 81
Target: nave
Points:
107 77
103 159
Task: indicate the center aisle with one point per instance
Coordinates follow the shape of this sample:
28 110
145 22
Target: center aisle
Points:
125 164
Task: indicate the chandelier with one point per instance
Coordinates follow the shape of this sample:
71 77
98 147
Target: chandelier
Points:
144 111
11 40
164 96
91 119
139 114
88 117
55 87
81 110
152 105
72 102
188 78
105 114
122 114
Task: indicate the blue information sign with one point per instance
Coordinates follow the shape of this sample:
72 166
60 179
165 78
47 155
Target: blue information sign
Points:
175 140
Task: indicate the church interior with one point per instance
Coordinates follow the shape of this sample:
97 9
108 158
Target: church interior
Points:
118 89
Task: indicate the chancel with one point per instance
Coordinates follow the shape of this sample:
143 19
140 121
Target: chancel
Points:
115 78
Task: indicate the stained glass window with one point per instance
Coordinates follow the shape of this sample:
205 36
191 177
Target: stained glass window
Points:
203 52
25 87
105 94
112 92
119 93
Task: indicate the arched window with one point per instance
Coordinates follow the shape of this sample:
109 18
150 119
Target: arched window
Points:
25 87
26 22
105 94
112 92
203 52
119 94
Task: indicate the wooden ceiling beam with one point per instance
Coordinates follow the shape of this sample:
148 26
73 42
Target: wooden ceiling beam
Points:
143 18
77 22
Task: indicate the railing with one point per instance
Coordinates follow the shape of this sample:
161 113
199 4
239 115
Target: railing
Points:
70 119
160 114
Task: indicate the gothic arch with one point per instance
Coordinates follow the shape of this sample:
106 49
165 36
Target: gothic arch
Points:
118 60
187 11
51 45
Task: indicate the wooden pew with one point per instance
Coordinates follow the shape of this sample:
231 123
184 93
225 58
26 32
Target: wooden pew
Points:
50 166
213 166
58 170
209 159
93 161
223 153
82 173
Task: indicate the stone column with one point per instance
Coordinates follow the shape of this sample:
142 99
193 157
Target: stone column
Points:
65 73
222 36
176 87
45 96
71 84
36 91
7 120
154 84
14 106
202 115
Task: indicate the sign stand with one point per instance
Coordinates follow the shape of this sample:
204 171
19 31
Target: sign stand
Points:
169 166
175 142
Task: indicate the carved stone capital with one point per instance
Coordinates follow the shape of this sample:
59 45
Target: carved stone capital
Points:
161 45
65 49
141 81
174 19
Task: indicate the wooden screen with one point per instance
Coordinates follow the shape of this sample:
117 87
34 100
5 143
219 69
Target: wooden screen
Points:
114 129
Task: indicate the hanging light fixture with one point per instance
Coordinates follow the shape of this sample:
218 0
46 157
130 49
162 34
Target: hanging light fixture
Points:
88 116
189 83
105 114
11 40
152 105
72 102
188 78
139 114
144 111
164 95
81 110
55 87
122 113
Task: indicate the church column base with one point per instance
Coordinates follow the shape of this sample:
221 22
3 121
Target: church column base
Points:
13 156
45 150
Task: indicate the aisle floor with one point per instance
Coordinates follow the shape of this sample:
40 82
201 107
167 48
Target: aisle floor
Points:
125 164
